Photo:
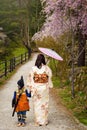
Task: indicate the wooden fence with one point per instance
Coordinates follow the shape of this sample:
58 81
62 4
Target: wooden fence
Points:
8 66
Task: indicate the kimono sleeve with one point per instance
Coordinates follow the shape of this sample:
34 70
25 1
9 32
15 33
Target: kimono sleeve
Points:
29 79
30 83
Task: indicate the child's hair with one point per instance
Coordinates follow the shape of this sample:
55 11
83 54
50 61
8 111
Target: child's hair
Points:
21 83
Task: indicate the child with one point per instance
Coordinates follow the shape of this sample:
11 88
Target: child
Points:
20 99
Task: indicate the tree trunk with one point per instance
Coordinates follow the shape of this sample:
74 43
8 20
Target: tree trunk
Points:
29 51
24 23
81 57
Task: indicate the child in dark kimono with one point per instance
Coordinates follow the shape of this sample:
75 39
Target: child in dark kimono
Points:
23 103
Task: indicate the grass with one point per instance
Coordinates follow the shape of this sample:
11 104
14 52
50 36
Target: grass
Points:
75 105
19 51
12 49
82 117
4 79
56 81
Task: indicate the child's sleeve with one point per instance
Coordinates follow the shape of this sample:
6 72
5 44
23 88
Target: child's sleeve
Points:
28 93
14 99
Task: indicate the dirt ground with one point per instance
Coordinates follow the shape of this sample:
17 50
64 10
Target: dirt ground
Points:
59 117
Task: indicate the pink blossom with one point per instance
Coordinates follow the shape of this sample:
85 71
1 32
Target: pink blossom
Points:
61 15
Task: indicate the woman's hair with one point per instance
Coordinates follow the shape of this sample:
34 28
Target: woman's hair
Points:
40 60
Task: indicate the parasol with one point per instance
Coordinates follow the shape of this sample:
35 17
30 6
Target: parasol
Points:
51 53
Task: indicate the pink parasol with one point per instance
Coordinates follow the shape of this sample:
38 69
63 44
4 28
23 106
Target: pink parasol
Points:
51 53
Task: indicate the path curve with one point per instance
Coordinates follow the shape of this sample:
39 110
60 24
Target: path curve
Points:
58 117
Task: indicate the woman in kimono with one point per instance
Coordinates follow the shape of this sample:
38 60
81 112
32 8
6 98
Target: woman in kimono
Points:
39 81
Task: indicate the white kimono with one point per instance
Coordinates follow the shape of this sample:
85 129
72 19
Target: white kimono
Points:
40 94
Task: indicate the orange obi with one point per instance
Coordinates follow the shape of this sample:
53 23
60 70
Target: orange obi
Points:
23 103
40 78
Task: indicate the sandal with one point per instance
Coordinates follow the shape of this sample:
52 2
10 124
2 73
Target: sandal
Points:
19 124
23 124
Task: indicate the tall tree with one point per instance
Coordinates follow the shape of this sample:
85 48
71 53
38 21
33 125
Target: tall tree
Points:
57 22
20 18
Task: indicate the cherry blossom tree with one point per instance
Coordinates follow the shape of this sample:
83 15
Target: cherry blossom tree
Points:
63 16
57 17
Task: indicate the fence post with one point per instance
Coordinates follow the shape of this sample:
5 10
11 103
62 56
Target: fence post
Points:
10 65
21 58
28 55
5 68
14 63
25 56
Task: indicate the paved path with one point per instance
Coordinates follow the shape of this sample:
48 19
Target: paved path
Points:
58 117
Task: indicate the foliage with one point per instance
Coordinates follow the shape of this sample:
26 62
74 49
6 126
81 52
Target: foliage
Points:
56 82
14 15
47 42
11 49
8 13
19 20
20 50
77 105
4 51
36 17
81 80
